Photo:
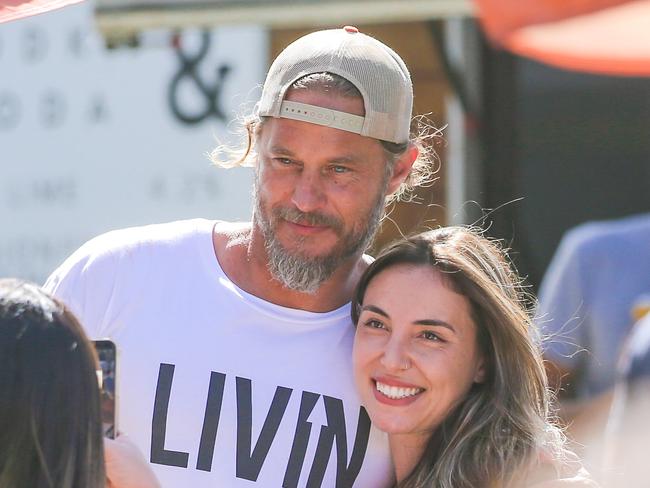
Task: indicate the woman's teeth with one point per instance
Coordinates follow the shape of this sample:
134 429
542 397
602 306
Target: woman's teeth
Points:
397 392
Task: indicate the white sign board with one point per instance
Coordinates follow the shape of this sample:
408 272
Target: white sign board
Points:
94 139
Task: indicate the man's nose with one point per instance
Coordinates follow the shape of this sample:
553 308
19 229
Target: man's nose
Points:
308 193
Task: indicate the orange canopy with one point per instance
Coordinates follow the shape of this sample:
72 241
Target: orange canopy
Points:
599 36
16 9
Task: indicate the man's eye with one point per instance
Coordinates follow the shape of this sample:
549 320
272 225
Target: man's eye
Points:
283 161
430 336
340 169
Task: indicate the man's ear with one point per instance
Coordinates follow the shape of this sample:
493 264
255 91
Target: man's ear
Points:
402 168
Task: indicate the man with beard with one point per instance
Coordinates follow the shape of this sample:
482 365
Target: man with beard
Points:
235 339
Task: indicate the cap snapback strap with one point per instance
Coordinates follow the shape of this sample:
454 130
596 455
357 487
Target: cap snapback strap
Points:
321 116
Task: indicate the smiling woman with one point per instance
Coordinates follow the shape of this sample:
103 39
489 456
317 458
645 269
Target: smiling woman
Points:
446 363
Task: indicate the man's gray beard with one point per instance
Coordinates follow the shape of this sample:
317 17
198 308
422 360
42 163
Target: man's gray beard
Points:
305 273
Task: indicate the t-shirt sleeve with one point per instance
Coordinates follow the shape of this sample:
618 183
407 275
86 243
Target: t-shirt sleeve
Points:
563 313
85 283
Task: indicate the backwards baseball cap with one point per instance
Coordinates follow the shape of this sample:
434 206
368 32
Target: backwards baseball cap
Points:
373 68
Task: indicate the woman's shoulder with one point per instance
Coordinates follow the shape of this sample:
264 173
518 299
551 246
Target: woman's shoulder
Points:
551 473
578 481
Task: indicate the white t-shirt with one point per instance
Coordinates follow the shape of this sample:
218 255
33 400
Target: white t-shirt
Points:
217 387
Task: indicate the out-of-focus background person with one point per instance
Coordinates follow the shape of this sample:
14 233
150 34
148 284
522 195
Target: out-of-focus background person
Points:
587 304
587 300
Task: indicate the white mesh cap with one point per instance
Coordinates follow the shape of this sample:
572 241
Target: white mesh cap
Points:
372 67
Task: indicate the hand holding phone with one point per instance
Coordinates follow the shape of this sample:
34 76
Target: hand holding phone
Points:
126 466
107 375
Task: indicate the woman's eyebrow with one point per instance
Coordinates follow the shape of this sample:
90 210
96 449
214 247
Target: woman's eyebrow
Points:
374 308
435 322
429 322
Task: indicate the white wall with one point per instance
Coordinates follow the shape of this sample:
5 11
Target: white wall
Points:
88 142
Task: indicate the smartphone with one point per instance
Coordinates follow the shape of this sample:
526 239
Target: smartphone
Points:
107 376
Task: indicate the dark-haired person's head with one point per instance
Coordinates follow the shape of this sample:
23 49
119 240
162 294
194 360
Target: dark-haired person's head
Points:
50 427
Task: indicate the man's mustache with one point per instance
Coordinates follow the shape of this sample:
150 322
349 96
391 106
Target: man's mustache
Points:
310 218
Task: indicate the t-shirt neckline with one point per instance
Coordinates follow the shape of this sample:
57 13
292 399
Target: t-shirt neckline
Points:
285 313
